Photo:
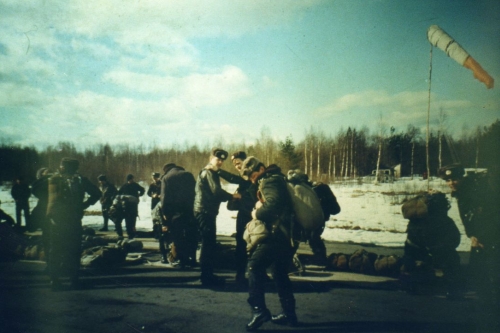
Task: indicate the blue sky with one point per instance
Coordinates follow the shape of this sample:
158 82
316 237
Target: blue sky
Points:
219 71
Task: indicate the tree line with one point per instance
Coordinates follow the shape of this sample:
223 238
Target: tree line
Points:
349 154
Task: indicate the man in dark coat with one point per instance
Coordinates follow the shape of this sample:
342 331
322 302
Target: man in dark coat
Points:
177 201
274 209
131 188
21 193
109 192
432 239
40 189
209 196
478 197
244 206
154 189
66 203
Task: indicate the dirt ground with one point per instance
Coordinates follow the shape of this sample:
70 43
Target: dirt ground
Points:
148 296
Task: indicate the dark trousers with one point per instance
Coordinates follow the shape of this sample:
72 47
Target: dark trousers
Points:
444 258
184 235
279 254
484 276
23 206
130 225
164 242
65 249
105 216
208 229
316 243
241 246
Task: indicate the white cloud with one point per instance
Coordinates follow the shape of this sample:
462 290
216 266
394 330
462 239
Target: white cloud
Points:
195 90
153 21
406 104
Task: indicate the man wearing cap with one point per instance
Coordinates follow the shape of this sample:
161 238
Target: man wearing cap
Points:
21 193
209 195
478 200
154 189
65 208
244 206
131 188
177 201
274 209
108 191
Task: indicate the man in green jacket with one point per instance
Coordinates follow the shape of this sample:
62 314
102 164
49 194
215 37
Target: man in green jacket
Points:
274 209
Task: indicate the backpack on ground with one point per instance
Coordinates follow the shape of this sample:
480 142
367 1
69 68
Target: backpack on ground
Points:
103 256
362 262
327 199
388 265
338 262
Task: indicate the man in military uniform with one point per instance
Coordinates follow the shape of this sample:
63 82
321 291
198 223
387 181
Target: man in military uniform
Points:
131 188
209 195
39 218
478 197
21 193
65 208
244 206
108 194
177 201
154 189
274 209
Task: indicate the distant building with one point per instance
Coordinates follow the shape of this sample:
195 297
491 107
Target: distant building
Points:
384 175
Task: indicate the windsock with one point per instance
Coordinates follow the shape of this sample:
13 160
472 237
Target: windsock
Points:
438 37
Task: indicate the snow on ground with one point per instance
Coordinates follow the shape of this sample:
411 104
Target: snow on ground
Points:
371 214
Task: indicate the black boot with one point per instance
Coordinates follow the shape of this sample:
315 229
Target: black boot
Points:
287 316
259 317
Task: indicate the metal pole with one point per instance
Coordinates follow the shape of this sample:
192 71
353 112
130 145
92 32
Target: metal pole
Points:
428 121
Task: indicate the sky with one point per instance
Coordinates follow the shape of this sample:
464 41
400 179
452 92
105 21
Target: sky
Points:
203 72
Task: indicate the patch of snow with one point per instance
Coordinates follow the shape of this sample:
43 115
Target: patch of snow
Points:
371 214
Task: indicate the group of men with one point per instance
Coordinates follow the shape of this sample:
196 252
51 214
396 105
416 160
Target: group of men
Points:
189 208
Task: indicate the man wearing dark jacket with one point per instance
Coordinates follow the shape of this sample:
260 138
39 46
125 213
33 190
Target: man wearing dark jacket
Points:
154 189
209 195
244 206
108 194
478 197
432 238
66 203
177 201
21 193
135 190
40 189
274 209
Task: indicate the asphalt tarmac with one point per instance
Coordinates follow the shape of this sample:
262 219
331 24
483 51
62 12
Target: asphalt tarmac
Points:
147 296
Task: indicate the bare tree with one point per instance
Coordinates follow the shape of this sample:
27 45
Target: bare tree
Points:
442 119
382 130
413 133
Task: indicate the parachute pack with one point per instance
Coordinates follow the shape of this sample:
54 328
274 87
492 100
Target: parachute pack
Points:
423 205
306 206
327 200
65 193
120 206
